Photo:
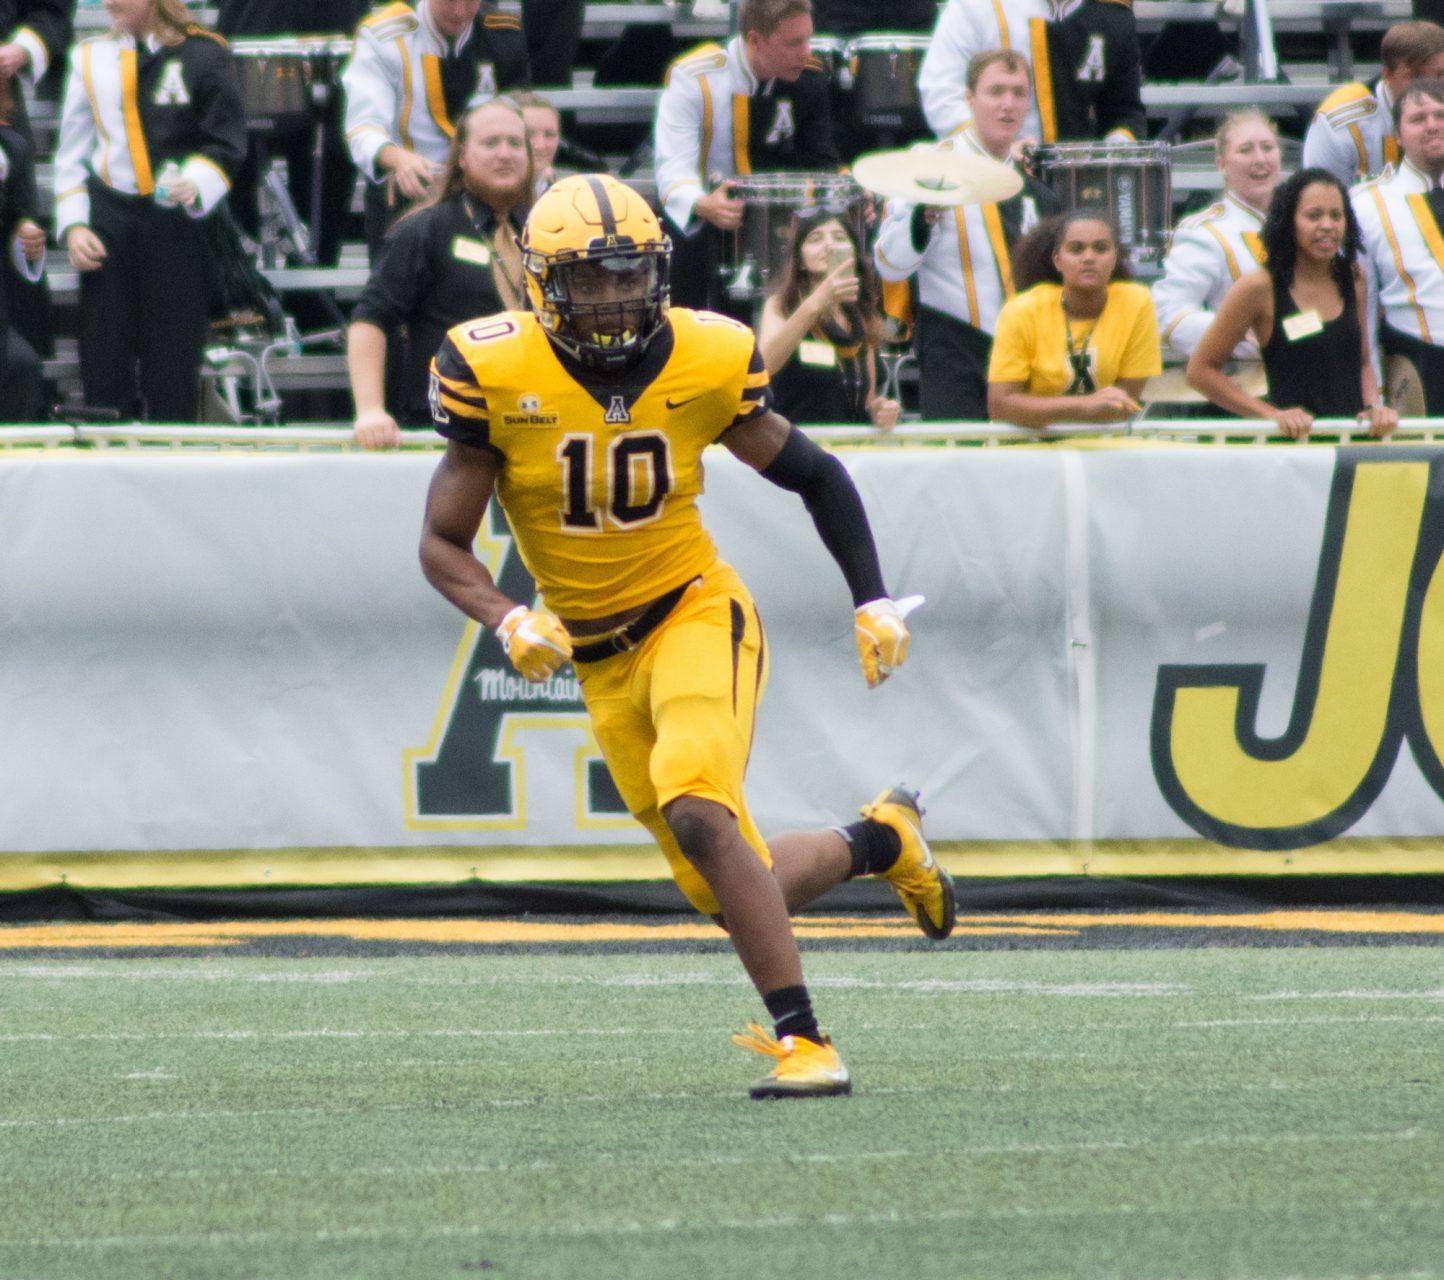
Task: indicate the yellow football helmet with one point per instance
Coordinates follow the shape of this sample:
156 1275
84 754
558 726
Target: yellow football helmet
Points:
596 266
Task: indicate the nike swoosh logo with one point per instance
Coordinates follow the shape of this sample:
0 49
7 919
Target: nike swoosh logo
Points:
677 404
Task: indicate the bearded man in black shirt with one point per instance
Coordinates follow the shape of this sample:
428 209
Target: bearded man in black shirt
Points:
453 259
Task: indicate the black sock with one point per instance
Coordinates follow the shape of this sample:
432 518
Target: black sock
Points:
874 846
791 1010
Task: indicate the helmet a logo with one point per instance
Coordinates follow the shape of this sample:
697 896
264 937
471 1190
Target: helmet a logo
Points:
617 411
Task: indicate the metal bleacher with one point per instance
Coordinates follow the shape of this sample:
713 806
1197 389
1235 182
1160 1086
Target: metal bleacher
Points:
1320 43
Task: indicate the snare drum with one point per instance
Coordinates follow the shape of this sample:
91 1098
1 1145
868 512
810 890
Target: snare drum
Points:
284 81
884 72
758 249
1132 181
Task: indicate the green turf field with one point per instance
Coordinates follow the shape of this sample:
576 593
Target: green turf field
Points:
1168 1114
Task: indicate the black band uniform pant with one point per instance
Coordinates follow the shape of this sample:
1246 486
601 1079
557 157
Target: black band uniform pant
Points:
147 305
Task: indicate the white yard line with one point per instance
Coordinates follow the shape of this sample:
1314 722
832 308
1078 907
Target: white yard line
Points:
610 1161
490 1033
673 1226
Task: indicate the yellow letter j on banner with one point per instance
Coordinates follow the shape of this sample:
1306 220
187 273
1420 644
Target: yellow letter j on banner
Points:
1371 676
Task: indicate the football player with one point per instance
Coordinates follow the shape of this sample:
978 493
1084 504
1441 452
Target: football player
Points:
587 418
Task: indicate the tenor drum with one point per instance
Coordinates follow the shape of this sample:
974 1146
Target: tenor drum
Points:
1132 181
284 82
884 73
758 249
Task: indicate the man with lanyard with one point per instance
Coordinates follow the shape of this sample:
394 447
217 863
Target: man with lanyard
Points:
761 103
452 259
412 73
961 257
1083 55
1400 216
1354 134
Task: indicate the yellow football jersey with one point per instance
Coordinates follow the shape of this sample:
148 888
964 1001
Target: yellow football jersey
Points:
600 475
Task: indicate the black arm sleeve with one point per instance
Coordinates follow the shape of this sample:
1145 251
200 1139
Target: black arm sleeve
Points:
836 509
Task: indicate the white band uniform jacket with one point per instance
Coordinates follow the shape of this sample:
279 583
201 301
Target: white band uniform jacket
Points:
1083 58
965 270
1404 252
1209 250
395 81
1352 134
715 117
128 111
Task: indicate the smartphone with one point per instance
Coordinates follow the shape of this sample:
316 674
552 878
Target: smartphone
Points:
838 255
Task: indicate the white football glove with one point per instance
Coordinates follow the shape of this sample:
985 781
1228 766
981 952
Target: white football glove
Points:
882 636
536 643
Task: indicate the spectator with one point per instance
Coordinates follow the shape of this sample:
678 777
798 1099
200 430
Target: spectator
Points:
1304 308
1083 55
821 326
452 260
1080 340
1354 132
150 132
1214 247
1399 219
761 103
413 72
544 134
961 256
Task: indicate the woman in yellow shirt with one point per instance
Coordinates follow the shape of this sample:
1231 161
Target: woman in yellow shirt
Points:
1080 339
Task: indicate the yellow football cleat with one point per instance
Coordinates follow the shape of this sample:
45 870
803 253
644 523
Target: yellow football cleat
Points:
804 1068
926 890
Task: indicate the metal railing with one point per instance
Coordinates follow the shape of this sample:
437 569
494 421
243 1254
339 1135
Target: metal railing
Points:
1216 431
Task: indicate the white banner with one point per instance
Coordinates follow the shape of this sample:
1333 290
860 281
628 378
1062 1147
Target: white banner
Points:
238 651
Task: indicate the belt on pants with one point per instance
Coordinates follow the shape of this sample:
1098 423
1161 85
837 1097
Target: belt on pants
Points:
638 629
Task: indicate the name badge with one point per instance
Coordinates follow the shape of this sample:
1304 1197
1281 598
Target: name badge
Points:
1302 325
469 250
821 354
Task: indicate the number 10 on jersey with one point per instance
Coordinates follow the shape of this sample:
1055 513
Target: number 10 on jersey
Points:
637 482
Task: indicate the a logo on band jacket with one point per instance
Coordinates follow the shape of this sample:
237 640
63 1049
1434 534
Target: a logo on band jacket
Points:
1370 679
617 411
171 91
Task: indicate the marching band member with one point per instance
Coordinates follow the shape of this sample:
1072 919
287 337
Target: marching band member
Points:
1353 133
150 133
35 33
451 260
1214 247
412 73
1400 216
962 256
1080 341
760 103
1083 55
22 262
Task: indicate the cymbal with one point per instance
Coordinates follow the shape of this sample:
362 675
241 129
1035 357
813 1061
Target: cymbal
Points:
929 175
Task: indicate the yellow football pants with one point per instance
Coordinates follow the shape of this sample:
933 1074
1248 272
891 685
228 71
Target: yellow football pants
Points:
674 716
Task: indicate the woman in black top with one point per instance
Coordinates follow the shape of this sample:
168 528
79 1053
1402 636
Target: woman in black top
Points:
820 329
1304 307
451 260
150 134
